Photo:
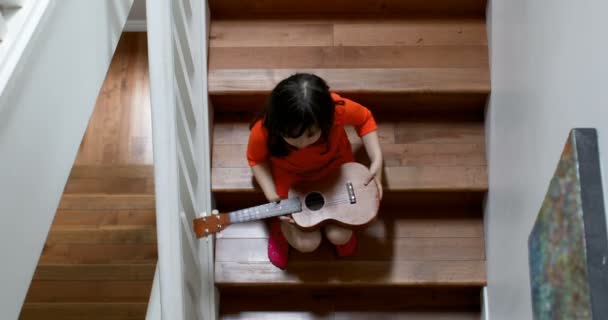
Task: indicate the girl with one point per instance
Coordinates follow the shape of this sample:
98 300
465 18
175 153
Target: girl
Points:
300 136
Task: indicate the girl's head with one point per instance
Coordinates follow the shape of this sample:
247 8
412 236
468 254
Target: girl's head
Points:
300 110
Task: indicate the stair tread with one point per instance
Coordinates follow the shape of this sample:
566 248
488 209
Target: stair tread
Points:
95 272
425 155
104 217
108 234
89 291
424 247
84 310
421 56
107 202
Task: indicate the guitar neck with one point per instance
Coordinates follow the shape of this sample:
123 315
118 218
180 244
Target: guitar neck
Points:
264 211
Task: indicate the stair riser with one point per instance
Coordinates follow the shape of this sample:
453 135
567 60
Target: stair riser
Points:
251 8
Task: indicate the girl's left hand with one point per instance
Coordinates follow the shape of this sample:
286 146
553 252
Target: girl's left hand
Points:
375 170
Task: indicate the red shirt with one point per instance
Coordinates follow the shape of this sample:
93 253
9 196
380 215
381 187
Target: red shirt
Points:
317 160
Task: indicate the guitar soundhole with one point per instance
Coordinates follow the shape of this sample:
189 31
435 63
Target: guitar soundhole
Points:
314 201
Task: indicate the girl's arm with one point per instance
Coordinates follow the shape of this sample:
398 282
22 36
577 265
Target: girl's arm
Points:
372 146
264 178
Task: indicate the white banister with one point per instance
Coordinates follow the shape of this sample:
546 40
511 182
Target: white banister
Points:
177 43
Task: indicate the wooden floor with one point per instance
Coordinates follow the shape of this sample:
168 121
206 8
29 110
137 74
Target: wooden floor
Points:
120 129
100 256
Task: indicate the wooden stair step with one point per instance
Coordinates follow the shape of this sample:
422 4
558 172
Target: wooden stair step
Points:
95 272
83 253
89 291
222 9
385 64
79 311
111 179
107 202
104 217
435 155
112 234
414 248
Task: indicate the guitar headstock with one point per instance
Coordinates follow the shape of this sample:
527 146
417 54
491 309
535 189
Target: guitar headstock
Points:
211 224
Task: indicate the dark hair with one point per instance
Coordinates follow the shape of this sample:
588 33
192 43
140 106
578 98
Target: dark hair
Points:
295 105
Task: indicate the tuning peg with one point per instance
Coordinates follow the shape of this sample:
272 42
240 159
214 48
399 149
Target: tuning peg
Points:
215 211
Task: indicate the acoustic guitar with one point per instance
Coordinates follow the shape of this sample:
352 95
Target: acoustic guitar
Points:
342 198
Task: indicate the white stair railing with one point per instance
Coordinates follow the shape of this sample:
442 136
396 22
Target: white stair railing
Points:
7 8
177 44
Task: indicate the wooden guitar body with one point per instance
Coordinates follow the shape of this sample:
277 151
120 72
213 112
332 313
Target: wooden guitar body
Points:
341 198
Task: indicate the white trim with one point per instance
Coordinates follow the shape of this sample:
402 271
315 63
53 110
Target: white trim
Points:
153 312
136 26
485 304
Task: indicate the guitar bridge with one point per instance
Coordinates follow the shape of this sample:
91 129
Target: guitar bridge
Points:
351 193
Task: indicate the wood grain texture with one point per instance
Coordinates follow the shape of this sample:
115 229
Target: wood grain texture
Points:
445 32
354 273
221 9
372 80
79 311
106 202
120 129
104 217
248 33
95 272
66 253
89 291
112 234
341 57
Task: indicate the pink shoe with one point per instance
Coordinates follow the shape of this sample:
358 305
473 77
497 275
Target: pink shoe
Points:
348 248
278 247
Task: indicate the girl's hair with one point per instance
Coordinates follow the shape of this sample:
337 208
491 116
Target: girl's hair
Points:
295 105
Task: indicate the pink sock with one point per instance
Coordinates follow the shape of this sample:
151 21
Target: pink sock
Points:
348 248
278 247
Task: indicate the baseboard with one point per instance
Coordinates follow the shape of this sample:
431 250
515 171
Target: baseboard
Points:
135 26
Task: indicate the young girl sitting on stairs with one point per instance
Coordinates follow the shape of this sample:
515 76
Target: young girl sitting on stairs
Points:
300 136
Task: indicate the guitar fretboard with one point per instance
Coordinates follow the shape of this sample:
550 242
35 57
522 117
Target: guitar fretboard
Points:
272 209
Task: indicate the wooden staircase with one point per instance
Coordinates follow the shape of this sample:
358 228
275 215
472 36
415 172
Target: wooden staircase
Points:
100 255
422 68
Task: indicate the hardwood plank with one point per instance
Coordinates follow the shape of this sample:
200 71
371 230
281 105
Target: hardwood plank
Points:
98 254
436 178
106 202
354 273
120 128
250 33
112 171
79 311
112 234
404 223
394 251
94 272
407 132
104 217
89 291
348 57
398 179
471 32
110 185
271 315
221 9
396 80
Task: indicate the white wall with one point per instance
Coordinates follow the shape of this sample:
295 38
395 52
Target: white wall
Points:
549 62
44 112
